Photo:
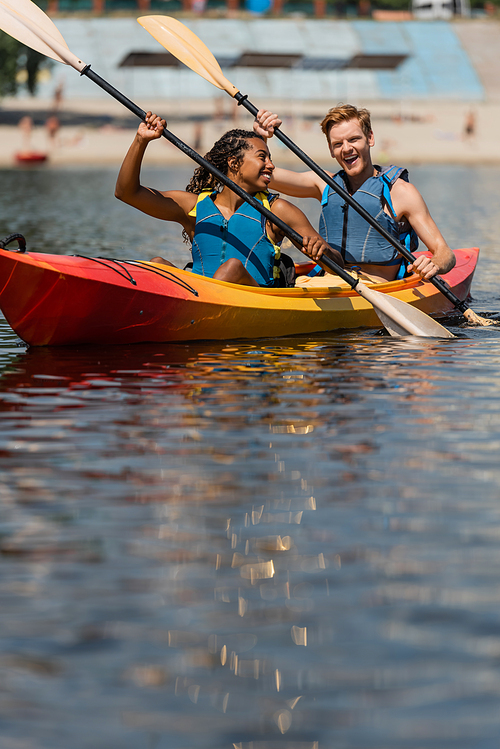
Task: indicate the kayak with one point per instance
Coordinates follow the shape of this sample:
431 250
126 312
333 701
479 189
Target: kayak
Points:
30 157
57 300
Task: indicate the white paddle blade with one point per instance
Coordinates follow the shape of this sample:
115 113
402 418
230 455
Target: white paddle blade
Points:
26 22
29 9
400 318
188 48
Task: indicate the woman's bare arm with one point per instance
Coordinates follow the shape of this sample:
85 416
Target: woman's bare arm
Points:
313 246
173 205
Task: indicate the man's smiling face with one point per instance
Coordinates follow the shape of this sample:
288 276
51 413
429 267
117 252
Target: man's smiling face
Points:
351 148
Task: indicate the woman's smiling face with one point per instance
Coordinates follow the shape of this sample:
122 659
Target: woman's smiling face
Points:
255 169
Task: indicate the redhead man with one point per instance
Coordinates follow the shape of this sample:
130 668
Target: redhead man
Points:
385 193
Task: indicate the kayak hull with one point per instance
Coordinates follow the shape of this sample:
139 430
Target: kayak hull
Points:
30 157
65 300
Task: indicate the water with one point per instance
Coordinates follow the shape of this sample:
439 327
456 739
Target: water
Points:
278 544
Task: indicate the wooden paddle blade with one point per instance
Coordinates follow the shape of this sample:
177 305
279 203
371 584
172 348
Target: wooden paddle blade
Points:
400 318
177 29
188 48
22 19
29 9
477 321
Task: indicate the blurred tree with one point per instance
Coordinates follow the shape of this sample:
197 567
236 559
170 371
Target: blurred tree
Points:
391 4
16 59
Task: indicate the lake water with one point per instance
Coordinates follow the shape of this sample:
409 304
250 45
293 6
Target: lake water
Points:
277 544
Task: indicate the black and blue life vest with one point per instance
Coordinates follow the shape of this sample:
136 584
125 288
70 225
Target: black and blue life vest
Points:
346 231
217 239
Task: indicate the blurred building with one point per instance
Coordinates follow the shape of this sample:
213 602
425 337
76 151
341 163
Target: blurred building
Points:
295 59
440 9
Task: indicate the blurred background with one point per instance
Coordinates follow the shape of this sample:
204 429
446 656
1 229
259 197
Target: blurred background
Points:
427 70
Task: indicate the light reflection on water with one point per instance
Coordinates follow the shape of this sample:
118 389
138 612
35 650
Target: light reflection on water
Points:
286 544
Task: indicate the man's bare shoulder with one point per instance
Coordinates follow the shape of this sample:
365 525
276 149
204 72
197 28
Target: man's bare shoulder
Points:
405 197
403 188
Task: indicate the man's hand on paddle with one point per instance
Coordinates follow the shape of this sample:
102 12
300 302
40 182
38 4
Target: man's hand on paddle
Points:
424 266
265 122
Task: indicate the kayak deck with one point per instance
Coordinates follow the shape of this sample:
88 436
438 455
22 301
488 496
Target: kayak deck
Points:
63 300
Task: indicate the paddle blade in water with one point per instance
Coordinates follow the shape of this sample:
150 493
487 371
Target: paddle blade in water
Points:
27 23
400 318
188 48
477 321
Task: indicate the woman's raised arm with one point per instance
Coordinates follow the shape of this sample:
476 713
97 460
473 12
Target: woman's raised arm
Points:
173 205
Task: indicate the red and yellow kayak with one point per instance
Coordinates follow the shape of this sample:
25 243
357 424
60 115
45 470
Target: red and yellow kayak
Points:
56 300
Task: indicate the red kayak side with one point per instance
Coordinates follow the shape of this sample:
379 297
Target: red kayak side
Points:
65 300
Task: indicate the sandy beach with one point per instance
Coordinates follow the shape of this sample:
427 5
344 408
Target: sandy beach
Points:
98 133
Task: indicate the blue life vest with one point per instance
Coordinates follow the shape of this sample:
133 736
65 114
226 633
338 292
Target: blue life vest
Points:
243 236
358 242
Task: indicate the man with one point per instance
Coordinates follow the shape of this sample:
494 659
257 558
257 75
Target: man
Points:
385 194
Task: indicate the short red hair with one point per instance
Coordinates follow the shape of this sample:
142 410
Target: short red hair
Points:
344 113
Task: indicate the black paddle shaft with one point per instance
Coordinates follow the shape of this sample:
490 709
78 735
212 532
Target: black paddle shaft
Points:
287 230
242 100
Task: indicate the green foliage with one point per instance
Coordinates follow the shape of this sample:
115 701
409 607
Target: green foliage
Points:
34 61
391 4
9 53
14 59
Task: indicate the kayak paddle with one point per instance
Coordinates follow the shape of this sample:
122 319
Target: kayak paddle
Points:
189 49
27 23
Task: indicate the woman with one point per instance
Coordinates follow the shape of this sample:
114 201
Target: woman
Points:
230 240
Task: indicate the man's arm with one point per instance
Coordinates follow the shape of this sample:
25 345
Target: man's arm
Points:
408 203
296 184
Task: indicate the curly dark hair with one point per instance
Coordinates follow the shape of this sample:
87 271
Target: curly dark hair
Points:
230 146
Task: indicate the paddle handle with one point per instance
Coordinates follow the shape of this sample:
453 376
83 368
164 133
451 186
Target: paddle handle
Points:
89 73
435 280
287 230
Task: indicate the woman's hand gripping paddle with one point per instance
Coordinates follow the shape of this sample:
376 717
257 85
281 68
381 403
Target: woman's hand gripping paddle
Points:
27 23
189 49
